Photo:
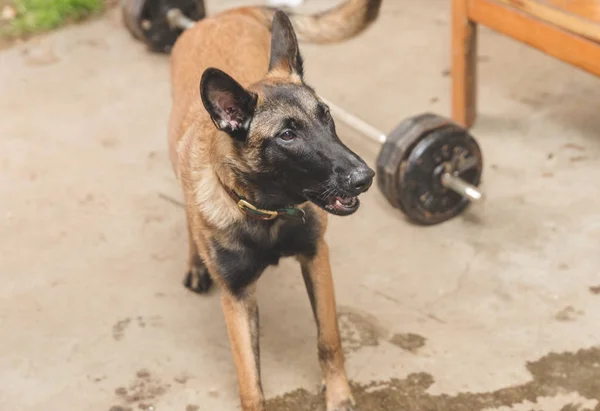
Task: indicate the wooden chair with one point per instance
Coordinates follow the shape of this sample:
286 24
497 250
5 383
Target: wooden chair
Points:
565 29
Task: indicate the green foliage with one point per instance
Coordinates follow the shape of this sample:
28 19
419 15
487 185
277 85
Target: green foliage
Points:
34 16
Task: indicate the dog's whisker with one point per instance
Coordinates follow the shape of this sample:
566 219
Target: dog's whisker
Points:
327 193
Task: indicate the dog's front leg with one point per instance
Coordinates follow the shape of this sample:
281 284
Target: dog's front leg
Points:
197 278
319 285
241 316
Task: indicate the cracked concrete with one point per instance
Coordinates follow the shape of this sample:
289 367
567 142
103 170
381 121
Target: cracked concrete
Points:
93 256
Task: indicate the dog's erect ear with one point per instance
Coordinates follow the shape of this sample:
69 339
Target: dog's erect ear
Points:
285 53
229 104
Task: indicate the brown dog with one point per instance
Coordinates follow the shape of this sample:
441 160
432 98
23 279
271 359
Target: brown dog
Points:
261 166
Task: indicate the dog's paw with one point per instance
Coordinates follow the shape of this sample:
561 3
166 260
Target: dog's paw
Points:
340 399
347 405
198 280
342 403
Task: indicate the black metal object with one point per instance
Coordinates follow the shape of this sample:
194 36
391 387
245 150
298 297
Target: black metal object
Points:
413 161
147 20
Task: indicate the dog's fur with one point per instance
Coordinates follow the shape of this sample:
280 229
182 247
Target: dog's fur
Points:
244 120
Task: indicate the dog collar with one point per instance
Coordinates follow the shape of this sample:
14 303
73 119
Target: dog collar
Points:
250 210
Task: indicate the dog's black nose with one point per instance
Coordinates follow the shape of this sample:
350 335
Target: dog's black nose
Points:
360 180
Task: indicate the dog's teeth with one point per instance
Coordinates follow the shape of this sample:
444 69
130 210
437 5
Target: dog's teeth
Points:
345 202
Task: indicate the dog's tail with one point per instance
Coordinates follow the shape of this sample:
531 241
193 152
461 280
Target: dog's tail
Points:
337 24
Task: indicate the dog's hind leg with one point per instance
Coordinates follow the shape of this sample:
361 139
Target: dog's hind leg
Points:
241 317
197 278
319 285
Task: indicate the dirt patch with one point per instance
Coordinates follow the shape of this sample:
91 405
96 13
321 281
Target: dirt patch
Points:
568 314
142 391
192 407
595 290
358 330
118 330
553 374
409 342
143 374
121 391
182 378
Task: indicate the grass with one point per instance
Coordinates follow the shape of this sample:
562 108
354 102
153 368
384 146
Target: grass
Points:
37 16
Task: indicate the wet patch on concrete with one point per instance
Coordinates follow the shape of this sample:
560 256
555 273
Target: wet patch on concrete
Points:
408 341
561 402
182 378
152 321
552 375
141 392
358 330
118 330
568 314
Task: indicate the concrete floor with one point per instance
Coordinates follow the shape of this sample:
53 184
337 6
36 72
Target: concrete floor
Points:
495 310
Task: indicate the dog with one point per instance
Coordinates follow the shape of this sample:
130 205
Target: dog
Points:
261 167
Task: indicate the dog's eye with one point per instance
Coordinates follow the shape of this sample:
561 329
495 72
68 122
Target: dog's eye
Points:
287 135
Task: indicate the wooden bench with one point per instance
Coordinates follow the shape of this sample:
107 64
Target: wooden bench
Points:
565 29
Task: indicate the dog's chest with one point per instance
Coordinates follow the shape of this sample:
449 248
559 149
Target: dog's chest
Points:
259 246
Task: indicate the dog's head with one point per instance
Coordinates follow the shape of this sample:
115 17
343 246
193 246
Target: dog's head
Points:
284 134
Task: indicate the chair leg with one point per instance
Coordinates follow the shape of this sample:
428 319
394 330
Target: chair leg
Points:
464 64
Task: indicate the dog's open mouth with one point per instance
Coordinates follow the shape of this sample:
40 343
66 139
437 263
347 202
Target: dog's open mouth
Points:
342 203
336 204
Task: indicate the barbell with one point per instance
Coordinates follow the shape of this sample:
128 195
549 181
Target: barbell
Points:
429 167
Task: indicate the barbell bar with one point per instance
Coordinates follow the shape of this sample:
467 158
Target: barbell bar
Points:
449 179
178 20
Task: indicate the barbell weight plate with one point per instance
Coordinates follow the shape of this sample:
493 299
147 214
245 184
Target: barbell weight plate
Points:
131 11
411 162
394 150
147 21
422 194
